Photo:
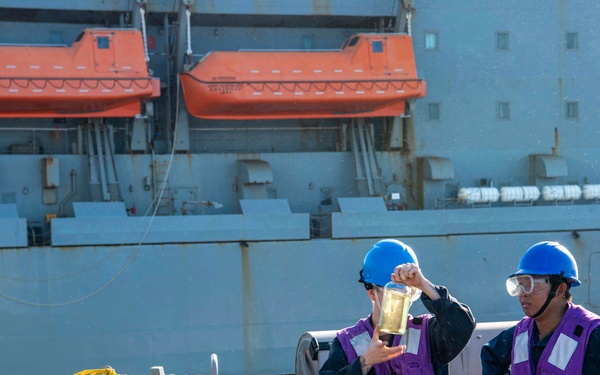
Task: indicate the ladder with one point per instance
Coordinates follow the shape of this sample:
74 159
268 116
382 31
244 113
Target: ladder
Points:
162 190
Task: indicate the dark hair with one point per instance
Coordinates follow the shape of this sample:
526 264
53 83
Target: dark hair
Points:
556 280
368 286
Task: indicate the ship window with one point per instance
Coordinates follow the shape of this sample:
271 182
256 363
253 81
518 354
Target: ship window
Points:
431 40
80 36
433 111
502 41
572 110
503 111
103 42
572 41
377 46
353 41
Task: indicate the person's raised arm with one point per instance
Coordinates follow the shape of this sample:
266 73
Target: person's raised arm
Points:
410 274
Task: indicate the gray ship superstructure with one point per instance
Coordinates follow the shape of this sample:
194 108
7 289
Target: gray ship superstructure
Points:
161 238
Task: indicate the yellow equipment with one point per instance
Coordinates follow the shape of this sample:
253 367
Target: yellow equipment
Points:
103 371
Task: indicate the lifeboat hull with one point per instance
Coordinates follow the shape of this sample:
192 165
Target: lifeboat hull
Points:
372 75
103 74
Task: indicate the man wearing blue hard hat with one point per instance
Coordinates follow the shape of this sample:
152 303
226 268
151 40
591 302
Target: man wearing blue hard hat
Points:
555 336
431 341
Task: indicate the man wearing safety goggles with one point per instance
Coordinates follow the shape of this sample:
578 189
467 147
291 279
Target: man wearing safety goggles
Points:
555 336
431 340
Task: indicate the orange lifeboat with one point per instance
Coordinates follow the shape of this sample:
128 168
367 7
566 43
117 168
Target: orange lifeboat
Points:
371 75
102 74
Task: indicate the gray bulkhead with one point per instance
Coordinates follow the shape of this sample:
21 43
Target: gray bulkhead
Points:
205 276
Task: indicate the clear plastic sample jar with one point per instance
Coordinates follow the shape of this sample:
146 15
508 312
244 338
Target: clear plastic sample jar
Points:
394 308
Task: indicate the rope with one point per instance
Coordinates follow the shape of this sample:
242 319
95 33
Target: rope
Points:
110 371
143 20
188 16
75 83
321 86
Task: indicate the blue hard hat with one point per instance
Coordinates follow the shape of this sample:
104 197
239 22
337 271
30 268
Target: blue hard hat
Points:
383 257
549 258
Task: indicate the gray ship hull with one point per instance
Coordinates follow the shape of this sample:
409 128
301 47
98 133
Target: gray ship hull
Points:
165 238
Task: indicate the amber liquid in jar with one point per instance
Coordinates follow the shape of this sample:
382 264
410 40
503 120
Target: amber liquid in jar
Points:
394 311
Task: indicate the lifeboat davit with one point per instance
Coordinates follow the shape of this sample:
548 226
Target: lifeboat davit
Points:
371 75
102 74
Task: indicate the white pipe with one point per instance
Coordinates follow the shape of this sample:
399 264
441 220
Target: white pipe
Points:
40 129
368 172
354 145
101 161
71 193
266 129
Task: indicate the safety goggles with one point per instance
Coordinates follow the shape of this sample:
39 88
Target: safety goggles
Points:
518 284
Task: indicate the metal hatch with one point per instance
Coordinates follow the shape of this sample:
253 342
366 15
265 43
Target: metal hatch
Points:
378 59
104 52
